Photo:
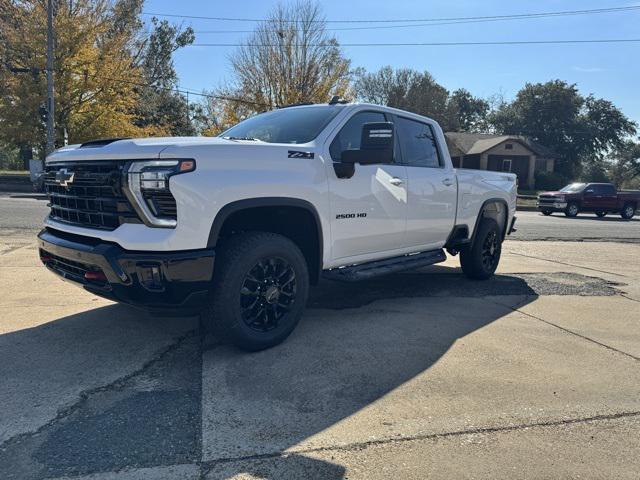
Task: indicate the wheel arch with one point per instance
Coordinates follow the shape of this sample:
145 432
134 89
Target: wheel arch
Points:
294 218
496 208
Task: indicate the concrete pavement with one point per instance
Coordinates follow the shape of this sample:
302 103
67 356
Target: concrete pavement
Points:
534 374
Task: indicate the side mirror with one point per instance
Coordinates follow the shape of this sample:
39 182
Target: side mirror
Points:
376 145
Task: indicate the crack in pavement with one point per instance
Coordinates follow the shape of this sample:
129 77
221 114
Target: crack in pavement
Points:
565 263
580 239
207 466
566 330
86 395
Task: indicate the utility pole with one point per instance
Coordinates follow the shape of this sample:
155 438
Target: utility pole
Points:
51 127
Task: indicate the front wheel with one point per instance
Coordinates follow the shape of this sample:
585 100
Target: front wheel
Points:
546 213
600 213
572 210
260 289
628 211
480 261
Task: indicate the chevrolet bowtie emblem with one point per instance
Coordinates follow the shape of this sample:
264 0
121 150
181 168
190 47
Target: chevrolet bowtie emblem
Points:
64 177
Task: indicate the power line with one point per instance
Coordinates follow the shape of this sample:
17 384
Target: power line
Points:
412 20
179 90
414 25
430 44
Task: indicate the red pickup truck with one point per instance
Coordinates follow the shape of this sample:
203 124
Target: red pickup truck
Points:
599 198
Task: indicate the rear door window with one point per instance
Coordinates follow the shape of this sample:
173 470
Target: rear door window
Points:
418 143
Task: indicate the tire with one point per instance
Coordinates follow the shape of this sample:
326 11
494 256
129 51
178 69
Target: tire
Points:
260 289
572 210
600 213
628 211
480 261
546 213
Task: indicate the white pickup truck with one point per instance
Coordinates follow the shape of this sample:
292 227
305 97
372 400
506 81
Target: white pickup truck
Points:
237 227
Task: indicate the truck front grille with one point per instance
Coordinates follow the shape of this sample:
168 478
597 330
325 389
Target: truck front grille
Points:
88 194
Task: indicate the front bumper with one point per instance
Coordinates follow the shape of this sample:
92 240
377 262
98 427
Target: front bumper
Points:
153 280
551 206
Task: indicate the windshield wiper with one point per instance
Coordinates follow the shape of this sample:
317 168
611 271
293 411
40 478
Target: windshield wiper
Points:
250 139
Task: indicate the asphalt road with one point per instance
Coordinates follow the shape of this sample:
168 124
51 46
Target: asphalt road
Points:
22 214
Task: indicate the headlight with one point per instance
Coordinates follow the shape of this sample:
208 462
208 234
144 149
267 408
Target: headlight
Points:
147 188
559 198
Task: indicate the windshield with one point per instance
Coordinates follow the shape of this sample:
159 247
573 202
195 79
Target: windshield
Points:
573 187
287 125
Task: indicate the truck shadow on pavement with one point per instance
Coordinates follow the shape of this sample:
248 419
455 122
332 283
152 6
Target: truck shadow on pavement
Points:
356 344
112 388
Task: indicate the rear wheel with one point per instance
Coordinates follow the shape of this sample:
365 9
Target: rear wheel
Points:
546 213
600 213
628 211
480 261
572 210
260 289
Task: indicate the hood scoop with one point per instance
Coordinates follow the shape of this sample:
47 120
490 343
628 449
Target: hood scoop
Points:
101 143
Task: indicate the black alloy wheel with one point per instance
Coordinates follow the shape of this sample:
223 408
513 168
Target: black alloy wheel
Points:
267 294
479 261
259 290
490 249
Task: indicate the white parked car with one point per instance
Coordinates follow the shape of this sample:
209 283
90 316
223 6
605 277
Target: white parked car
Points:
238 227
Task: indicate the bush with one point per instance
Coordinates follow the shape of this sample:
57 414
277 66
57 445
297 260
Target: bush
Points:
549 181
10 159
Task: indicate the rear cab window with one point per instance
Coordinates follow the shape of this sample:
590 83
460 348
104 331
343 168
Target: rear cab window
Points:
418 143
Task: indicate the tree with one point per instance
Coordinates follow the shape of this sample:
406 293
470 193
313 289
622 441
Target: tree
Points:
581 130
406 89
90 53
160 106
467 113
418 92
625 166
102 64
290 58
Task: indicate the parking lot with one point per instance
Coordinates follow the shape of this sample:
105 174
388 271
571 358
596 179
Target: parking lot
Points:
532 374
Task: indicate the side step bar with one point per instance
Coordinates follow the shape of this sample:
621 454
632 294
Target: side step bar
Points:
364 271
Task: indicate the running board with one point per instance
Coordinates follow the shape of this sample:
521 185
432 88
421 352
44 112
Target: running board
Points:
365 271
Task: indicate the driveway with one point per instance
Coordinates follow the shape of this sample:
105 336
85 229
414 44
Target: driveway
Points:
532 374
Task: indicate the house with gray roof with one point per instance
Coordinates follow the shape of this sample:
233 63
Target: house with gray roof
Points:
500 153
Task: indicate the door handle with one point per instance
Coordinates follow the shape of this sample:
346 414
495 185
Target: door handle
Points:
447 182
396 181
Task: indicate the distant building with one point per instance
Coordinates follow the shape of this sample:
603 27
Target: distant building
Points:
501 153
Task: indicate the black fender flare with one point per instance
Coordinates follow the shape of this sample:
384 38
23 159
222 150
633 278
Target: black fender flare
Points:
481 213
229 209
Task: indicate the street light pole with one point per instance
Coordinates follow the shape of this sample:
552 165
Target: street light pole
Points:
51 132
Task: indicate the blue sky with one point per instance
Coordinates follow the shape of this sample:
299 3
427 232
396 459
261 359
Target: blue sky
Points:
611 71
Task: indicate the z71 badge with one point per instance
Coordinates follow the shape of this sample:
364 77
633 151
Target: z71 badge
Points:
340 216
298 154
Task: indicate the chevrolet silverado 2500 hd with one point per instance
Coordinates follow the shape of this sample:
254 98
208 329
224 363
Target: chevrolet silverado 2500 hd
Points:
237 227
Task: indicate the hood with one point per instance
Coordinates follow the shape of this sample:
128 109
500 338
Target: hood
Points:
128 149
